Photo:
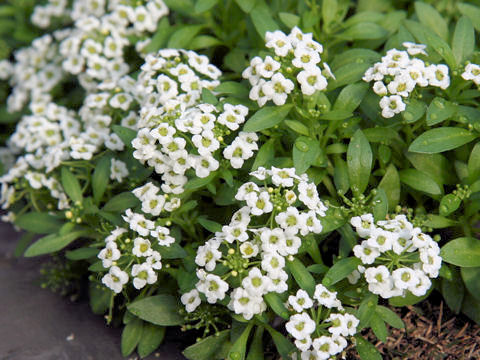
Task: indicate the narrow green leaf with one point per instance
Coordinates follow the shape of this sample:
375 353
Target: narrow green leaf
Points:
267 117
389 317
359 162
378 326
474 163
208 97
71 185
366 350
204 5
408 299
121 202
290 20
441 139
350 97
239 347
262 18
256 348
198 183
152 337
305 151
52 243
440 110
380 207
463 42
232 88
340 270
131 335
99 297
125 134
464 252
348 74
340 175
38 222
246 5
414 111
301 275
82 253
364 31
276 304
182 37
439 222
204 42
420 181
390 183
159 310
432 19
284 346
298 127
366 310
472 12
437 166
101 177
206 348
336 115
210 225
449 204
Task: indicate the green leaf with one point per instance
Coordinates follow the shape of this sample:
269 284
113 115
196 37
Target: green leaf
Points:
159 39
276 304
265 155
232 88
246 5
463 42
290 20
159 310
470 276
348 74
206 348
174 251
408 299
262 18
82 253
305 151
125 134
208 97
380 207
52 243
329 11
449 204
437 166
204 5
389 317
364 31
210 225
474 163
441 139
420 181
439 222
99 297
366 310
182 37
152 337
301 275
284 346
23 243
204 42
71 185
256 348
198 183
390 183
38 222
378 326
366 350
336 115
350 97
414 111
340 175
100 178
440 110
267 117
239 347
471 308
472 12
340 270
464 252
298 127
359 162
121 202
131 335
432 19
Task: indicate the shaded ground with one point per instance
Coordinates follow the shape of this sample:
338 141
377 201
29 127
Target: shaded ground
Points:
36 324
432 332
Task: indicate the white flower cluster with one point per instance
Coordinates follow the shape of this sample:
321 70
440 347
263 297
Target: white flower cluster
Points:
313 339
397 257
293 208
472 72
140 258
174 141
35 72
175 75
297 59
43 15
398 74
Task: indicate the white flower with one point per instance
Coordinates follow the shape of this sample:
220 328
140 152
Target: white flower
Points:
283 177
363 224
415 49
213 287
141 247
143 275
260 204
162 234
109 254
279 42
273 240
191 300
300 301
424 283
236 232
305 58
291 219
248 250
272 263
208 254
268 67
404 278
326 297
247 190
233 116
244 303
324 347
115 279
381 240
204 165
300 326
256 283
118 170
379 88
472 72
391 105
278 88
437 75
366 253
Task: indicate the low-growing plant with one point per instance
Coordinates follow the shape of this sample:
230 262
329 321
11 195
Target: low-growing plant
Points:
237 170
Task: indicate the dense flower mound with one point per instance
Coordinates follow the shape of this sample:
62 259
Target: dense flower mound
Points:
399 73
397 257
250 253
294 66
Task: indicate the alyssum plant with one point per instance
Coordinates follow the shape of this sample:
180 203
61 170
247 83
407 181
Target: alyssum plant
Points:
280 209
